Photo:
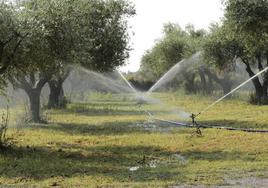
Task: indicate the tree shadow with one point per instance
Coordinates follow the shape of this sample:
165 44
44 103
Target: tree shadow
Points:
106 109
42 163
117 128
100 111
106 104
73 160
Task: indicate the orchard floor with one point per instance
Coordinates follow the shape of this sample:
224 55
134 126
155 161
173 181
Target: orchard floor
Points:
109 143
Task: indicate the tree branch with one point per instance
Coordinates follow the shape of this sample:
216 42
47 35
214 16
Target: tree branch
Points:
260 66
66 74
43 79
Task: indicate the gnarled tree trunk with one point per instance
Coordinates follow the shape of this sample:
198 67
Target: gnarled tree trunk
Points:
261 92
34 98
225 82
32 84
206 84
56 96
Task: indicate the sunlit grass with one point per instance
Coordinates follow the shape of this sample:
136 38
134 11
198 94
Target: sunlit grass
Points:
94 144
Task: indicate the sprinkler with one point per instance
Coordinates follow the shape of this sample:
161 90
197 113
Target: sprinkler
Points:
193 116
194 124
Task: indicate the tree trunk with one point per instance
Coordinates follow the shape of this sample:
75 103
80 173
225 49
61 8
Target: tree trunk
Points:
189 84
34 98
56 96
257 85
225 83
32 84
206 85
265 80
265 89
226 88
203 81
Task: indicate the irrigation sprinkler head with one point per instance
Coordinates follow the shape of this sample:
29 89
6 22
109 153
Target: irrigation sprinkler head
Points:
193 116
194 124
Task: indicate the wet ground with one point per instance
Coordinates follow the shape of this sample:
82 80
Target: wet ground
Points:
250 181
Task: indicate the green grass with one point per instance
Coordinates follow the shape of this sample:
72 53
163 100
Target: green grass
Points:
94 144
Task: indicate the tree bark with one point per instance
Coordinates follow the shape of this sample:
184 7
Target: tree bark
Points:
260 89
257 84
203 81
56 96
189 84
34 98
265 80
225 83
265 88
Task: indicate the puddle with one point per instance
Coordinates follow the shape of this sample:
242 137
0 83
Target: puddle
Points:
134 168
153 163
181 159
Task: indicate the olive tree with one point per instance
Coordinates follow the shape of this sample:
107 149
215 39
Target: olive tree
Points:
166 52
92 34
243 36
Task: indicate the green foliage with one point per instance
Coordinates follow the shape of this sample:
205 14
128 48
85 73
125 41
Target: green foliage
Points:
10 36
222 48
103 41
38 35
250 16
91 33
242 37
53 34
243 33
175 45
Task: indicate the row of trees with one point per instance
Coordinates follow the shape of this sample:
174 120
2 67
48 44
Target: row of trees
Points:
40 40
178 44
239 40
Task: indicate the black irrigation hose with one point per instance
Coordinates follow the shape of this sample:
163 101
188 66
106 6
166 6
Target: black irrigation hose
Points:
204 126
233 129
212 127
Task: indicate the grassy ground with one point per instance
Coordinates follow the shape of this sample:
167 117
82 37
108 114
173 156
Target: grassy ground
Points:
95 144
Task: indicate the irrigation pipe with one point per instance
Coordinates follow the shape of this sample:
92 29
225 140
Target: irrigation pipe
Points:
204 126
181 124
209 126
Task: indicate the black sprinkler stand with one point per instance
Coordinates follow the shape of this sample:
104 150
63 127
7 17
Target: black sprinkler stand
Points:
194 124
193 116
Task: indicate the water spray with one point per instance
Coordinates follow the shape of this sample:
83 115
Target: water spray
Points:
168 76
127 82
238 87
193 116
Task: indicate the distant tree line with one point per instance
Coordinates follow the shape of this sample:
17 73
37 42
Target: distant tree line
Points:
239 40
40 39
178 44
